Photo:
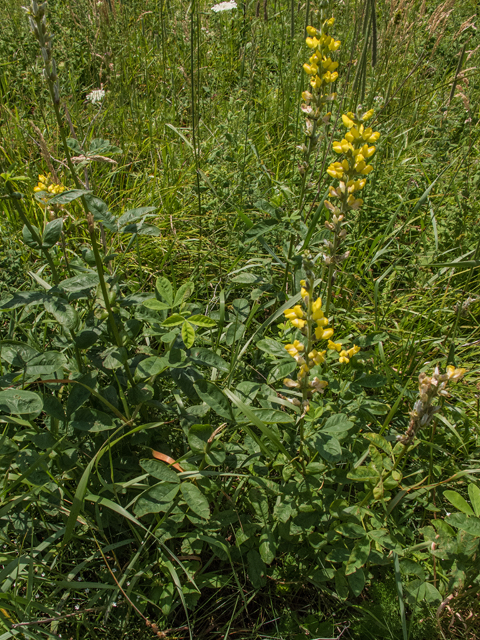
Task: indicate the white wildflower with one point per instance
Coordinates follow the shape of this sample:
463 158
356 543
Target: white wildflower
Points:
224 6
97 95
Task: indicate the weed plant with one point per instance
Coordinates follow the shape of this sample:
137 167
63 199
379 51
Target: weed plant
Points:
235 297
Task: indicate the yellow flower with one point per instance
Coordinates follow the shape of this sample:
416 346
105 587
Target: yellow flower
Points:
330 22
368 115
455 374
345 165
316 82
299 324
335 170
307 96
319 385
343 359
367 170
312 43
311 31
334 346
304 293
317 357
323 334
310 69
296 312
334 45
353 351
347 122
291 384
304 370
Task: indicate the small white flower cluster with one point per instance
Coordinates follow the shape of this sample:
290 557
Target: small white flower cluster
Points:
97 95
224 6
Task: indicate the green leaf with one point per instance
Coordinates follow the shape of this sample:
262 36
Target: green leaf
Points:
99 209
132 215
77 502
63 313
160 471
373 381
268 545
68 196
272 347
328 447
92 420
21 299
363 474
183 293
281 370
268 416
256 569
46 363
139 393
202 321
173 320
80 283
188 334
198 436
20 402
151 366
470 524
7 447
341 585
158 499
164 290
29 239
52 233
474 493
351 530
114 357
17 353
458 502
53 407
379 441
203 356
215 399
359 556
195 499
337 424
356 582
155 304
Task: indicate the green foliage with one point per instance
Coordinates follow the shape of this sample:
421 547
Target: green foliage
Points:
153 465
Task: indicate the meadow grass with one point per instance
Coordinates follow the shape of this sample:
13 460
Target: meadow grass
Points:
204 109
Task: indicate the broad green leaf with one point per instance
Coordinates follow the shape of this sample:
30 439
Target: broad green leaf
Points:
268 416
164 290
341 584
215 399
7 447
63 313
202 321
52 233
160 471
92 420
155 304
17 353
46 363
114 357
474 493
256 569
281 371
198 436
173 320
268 545
99 209
22 299
32 240
53 407
151 366
379 441
68 196
20 402
132 215
328 447
183 293
458 502
470 524
337 424
359 556
372 381
363 474
195 499
81 282
272 347
203 356
188 334
139 393
158 499
351 530
78 502
356 581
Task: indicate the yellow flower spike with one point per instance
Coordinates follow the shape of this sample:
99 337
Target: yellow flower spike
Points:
367 170
334 76
309 69
368 115
366 133
315 59
349 136
295 312
311 31
321 322
326 62
334 346
360 166
334 45
370 152
345 165
355 133
337 146
315 82
347 122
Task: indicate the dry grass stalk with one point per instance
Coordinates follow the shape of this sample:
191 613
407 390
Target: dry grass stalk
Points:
46 155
